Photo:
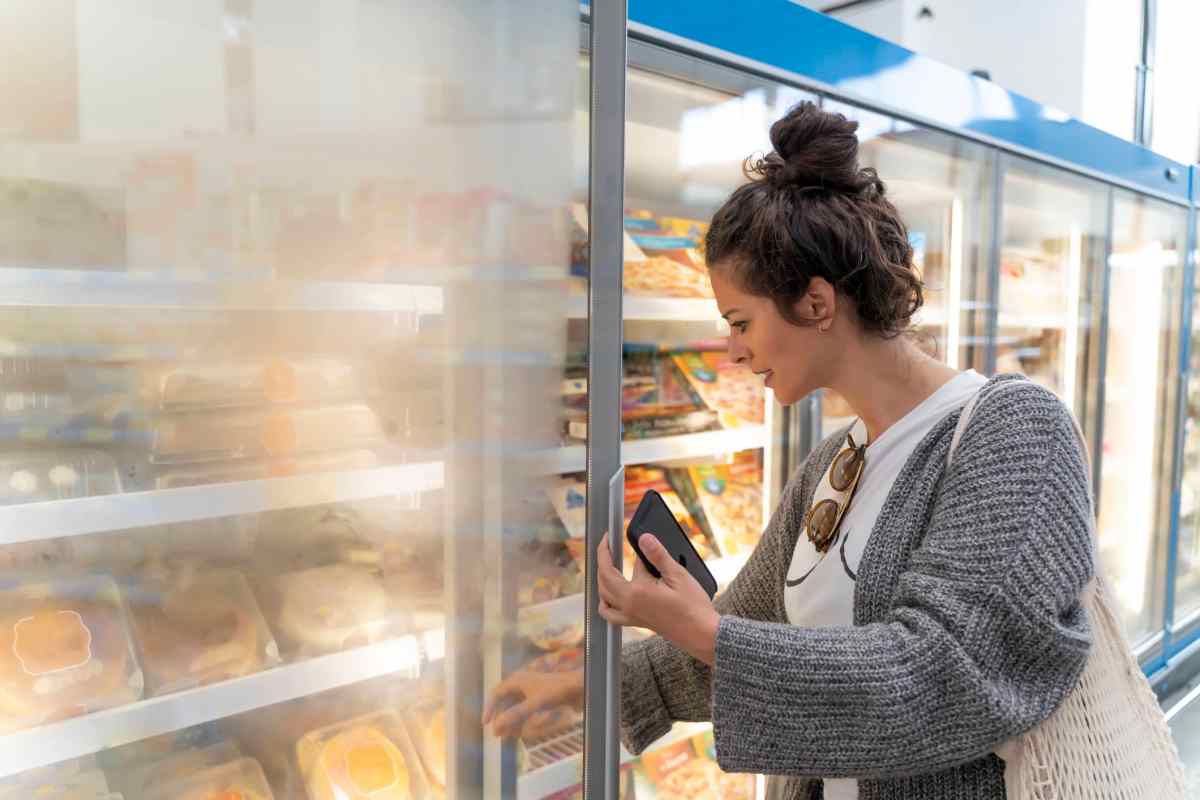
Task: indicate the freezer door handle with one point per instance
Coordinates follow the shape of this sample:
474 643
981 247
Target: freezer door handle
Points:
612 671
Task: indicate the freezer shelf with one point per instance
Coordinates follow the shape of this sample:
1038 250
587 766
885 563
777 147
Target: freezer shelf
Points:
667 448
80 516
98 288
556 763
640 307
80 736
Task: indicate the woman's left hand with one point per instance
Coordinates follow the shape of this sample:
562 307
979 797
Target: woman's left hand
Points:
675 606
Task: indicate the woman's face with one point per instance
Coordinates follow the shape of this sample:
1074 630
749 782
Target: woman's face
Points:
792 359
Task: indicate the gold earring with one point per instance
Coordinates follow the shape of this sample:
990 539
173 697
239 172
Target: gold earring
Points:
824 326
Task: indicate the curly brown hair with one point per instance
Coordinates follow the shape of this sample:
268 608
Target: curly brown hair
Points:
810 211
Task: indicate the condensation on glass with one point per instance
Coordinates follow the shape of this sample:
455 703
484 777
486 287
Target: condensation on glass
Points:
282 335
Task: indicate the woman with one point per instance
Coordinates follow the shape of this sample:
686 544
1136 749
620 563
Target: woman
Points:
900 619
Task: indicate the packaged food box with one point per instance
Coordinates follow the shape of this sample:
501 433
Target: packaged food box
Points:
253 383
677 772
730 785
200 474
199 629
149 775
327 609
30 476
264 433
117 761
65 650
728 388
366 758
730 510
640 479
426 724
77 776
237 780
27 784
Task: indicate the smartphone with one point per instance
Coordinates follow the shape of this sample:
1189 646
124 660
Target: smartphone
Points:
654 516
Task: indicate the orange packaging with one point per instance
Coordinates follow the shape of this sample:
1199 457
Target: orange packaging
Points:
367 758
65 650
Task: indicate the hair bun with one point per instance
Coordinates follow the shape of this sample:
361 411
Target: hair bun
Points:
813 149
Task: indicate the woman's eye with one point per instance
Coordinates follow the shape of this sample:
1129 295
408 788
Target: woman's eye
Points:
740 327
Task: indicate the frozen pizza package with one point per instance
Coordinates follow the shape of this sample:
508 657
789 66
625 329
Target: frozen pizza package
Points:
729 504
732 390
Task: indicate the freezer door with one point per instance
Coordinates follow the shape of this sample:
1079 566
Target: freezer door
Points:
283 349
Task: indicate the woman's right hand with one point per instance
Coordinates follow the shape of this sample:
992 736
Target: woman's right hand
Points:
525 693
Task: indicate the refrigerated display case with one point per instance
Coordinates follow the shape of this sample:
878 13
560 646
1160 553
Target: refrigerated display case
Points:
283 320
1053 232
299 452
1142 336
944 189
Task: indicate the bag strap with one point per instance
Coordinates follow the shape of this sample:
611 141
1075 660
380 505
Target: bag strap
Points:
964 420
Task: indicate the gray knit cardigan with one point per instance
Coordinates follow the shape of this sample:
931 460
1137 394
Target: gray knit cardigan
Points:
967 624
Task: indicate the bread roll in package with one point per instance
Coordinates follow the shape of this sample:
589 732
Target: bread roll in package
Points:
236 780
196 629
65 650
366 758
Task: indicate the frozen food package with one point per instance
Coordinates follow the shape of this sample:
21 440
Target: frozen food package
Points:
366 758
261 382
80 774
176 476
728 388
196 629
426 725
664 276
264 433
730 785
677 772
327 609
31 476
117 761
236 780
732 509
147 776
65 650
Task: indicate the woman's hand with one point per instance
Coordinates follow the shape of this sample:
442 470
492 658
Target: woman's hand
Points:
675 606
531 693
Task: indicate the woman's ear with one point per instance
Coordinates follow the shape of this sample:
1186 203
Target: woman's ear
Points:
818 304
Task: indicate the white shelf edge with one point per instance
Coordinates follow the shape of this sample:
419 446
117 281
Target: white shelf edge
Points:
84 288
560 775
642 307
103 513
92 733
1051 321
645 451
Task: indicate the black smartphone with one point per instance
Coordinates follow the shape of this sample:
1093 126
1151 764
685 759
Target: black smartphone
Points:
654 517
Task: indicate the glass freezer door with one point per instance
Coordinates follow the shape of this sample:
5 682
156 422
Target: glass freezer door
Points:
1053 236
943 189
282 335
1140 390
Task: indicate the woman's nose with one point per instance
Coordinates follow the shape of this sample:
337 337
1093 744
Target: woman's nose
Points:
738 352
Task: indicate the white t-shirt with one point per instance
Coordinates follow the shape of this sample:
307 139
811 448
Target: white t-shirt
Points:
820 586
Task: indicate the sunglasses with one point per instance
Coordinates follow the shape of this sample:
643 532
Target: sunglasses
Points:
821 523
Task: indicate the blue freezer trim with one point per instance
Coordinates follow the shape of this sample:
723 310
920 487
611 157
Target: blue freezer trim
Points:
874 71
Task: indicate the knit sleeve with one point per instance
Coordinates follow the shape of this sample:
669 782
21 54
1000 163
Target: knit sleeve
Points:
985 634
661 684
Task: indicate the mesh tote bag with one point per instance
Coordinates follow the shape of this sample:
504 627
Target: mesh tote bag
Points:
1109 739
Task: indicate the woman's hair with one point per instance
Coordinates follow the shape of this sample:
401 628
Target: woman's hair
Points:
810 211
